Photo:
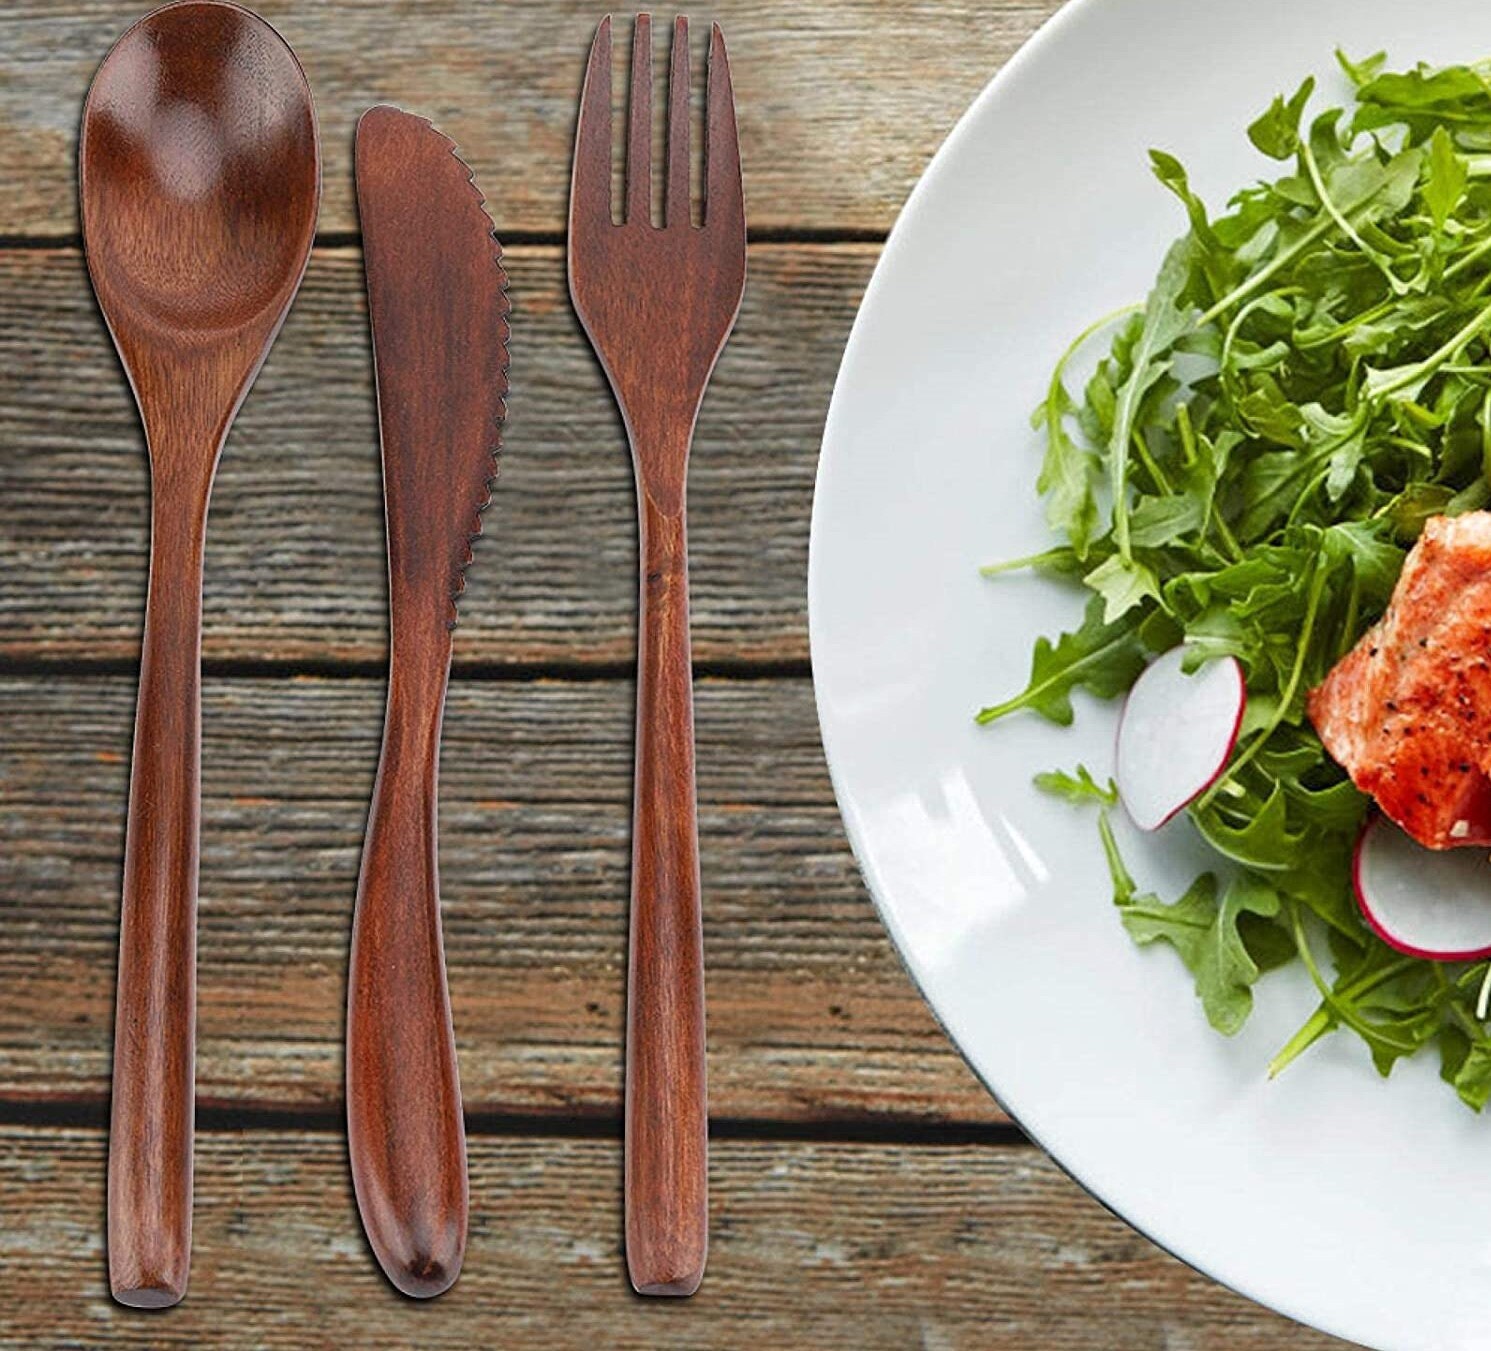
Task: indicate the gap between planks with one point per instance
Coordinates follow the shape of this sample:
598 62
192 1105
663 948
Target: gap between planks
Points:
576 672
92 1112
343 239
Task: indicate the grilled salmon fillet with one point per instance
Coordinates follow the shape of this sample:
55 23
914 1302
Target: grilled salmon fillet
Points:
1407 712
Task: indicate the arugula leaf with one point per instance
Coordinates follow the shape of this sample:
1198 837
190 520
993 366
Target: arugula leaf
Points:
1061 561
1276 132
1264 840
1164 323
1375 562
1471 1075
1080 787
1363 71
1203 929
1212 256
1267 942
1068 472
1448 174
1421 99
1123 583
1172 173
1099 657
1158 521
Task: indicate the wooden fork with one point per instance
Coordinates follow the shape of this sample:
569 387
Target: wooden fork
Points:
658 303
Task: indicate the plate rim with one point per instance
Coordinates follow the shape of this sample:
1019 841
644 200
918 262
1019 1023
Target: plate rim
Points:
937 165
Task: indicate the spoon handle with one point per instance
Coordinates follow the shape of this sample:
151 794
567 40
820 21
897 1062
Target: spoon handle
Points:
667 1208
150 1133
405 1134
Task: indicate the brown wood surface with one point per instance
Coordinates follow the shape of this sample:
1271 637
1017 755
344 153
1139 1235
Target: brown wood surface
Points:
815 1244
842 101
194 284
658 302
295 567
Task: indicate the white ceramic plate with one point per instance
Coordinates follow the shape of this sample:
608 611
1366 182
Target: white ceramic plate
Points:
1360 1205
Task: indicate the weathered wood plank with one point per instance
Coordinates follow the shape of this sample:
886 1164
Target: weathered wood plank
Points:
812 1245
841 103
295 566
811 1016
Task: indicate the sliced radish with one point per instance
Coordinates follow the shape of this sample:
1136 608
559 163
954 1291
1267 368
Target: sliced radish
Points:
1432 903
1175 735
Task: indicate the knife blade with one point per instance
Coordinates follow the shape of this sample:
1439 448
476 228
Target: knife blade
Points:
437 309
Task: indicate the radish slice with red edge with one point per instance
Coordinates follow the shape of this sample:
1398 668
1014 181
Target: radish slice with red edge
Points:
1433 903
1175 735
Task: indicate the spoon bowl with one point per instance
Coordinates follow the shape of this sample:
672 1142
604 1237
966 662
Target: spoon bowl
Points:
200 175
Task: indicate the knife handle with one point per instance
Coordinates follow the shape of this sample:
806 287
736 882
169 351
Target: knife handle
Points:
155 1016
405 1134
667 1122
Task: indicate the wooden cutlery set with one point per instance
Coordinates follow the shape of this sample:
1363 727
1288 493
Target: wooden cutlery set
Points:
200 180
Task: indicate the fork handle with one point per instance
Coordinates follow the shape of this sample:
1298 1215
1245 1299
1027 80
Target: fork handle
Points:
667 1124
155 1017
405 1136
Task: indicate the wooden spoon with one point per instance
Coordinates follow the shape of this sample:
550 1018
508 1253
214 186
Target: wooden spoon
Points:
200 178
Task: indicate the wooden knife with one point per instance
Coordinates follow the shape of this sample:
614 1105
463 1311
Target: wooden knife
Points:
437 306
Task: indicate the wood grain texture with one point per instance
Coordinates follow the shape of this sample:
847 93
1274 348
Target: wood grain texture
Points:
194 284
295 566
822 1246
812 1016
658 303
842 102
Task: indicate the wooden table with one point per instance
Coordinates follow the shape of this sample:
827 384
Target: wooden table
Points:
866 1192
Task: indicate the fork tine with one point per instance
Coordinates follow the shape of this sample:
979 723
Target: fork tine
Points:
723 198
590 178
678 126
639 126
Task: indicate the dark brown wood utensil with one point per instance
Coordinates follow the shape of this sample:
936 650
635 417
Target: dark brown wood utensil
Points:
200 177
658 303
437 304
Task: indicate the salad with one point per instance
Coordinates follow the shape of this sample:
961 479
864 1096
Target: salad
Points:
1237 487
